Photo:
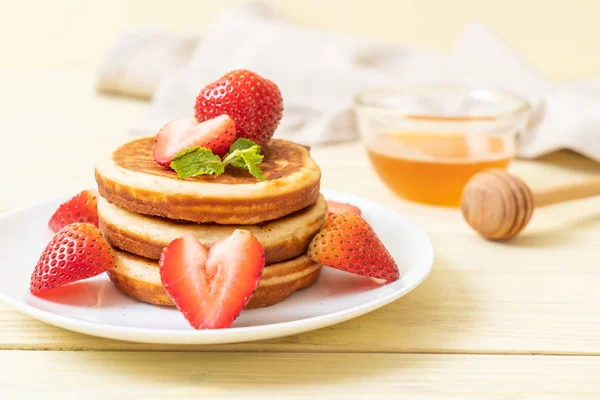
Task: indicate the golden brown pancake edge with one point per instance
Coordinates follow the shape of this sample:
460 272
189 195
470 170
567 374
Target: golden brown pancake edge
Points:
279 281
293 183
131 234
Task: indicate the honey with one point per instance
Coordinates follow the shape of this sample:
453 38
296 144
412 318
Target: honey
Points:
433 168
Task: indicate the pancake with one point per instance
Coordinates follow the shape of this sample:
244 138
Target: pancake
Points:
282 239
140 278
130 179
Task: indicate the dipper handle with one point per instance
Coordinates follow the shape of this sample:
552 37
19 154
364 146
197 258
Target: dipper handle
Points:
499 205
567 192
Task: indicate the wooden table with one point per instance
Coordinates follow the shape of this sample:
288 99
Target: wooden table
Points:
494 320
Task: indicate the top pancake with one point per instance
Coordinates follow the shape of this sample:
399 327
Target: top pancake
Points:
129 178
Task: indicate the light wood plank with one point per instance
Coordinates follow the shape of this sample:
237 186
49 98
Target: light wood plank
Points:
293 376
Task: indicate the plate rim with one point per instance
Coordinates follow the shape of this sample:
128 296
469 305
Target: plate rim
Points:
226 335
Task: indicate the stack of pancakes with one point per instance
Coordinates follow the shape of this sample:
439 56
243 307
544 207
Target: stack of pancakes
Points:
143 207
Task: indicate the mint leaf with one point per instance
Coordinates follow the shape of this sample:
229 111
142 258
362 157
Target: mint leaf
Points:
248 158
186 151
251 163
235 158
197 161
194 161
242 144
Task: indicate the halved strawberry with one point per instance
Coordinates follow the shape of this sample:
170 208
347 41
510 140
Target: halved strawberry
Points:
78 251
211 287
348 242
335 207
254 103
83 207
218 134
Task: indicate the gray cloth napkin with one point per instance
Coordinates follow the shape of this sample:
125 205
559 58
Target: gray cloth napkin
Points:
319 73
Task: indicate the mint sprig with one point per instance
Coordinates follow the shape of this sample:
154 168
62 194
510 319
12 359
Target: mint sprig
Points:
242 144
195 161
248 158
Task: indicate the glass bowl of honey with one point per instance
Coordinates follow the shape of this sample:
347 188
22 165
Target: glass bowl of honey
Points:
425 142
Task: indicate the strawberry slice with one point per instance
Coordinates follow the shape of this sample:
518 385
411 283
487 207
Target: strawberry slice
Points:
217 134
83 207
211 287
76 252
335 207
348 242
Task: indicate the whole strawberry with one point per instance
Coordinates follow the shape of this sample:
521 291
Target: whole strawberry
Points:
78 251
347 242
81 208
254 103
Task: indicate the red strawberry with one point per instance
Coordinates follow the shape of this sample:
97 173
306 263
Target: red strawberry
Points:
252 101
78 251
211 287
348 242
336 208
218 134
81 208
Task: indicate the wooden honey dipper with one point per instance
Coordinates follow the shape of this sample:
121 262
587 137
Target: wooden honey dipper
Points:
499 205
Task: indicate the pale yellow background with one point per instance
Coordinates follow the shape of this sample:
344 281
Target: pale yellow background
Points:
560 38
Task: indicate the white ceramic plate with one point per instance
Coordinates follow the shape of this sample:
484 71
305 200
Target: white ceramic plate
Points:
96 307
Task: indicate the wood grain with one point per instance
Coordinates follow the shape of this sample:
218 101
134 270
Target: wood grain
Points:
567 192
294 376
496 204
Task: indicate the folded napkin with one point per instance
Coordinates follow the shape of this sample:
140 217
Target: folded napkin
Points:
319 73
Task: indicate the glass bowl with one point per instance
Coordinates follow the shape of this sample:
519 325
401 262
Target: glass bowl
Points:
425 142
